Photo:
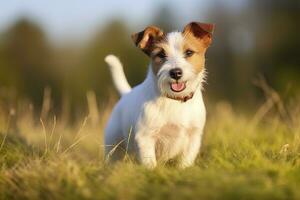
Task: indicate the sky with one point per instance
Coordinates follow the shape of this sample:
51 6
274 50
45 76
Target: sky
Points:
79 18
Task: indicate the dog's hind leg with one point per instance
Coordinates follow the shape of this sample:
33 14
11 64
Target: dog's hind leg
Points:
114 142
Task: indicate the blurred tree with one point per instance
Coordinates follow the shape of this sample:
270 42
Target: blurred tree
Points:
165 18
277 42
9 77
222 83
115 38
254 37
28 55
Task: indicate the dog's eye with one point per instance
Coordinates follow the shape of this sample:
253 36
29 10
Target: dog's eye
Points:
161 55
188 53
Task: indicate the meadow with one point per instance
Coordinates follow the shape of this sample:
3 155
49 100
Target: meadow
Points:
245 155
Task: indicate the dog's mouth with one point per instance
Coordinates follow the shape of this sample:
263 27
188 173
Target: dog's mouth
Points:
178 86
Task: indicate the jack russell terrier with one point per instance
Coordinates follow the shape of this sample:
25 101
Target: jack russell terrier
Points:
163 117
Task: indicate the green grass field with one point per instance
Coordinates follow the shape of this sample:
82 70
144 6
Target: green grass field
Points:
242 157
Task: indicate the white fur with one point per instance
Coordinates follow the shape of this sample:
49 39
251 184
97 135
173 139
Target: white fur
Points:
152 120
118 75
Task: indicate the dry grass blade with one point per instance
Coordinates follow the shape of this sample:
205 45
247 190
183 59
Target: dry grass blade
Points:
46 103
53 127
81 127
45 136
93 107
74 144
58 143
6 132
272 99
111 152
127 145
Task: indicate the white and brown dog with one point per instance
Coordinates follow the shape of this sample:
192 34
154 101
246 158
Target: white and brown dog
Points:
163 117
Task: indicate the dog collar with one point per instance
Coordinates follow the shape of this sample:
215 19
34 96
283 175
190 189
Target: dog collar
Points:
182 99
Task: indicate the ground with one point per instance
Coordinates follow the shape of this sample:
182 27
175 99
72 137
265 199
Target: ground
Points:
242 157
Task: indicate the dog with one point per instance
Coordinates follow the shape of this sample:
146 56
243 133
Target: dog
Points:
162 118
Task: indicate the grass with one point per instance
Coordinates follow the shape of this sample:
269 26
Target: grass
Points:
240 159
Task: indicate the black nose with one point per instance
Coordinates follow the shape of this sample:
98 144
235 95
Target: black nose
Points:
176 73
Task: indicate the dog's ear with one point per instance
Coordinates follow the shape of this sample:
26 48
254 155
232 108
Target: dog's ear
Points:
146 38
201 31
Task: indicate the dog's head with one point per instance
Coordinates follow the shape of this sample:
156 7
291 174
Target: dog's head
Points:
177 58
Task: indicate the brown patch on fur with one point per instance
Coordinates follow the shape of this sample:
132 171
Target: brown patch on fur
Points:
157 62
146 39
201 31
197 60
167 136
197 37
192 130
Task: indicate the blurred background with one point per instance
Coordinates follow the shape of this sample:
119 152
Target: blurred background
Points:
55 49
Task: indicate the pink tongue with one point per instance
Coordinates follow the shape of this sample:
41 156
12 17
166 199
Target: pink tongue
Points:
177 87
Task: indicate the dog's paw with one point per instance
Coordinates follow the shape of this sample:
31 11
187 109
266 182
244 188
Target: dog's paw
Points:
149 163
185 164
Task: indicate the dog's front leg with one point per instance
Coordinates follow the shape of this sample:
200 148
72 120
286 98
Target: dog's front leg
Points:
191 151
146 150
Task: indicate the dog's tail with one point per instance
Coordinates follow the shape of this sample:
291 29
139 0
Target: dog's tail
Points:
118 75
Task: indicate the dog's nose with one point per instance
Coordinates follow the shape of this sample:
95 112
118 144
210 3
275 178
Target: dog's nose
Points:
176 73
